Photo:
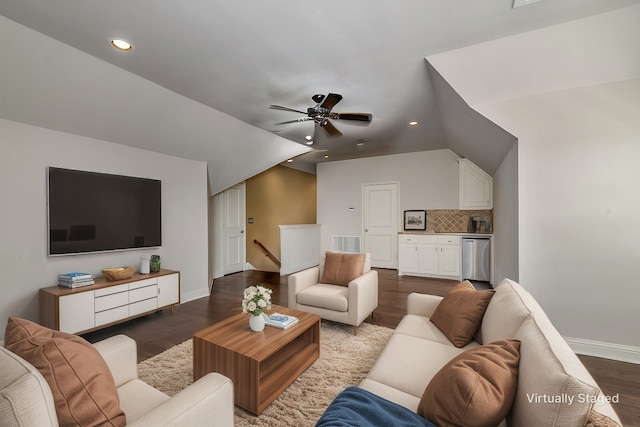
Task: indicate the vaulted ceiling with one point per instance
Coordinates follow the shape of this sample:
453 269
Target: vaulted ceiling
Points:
238 57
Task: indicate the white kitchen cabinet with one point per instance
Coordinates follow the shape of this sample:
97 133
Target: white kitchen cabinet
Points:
429 255
428 259
408 256
449 258
476 187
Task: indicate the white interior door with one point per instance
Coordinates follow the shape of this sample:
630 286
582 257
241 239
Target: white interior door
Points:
233 229
380 218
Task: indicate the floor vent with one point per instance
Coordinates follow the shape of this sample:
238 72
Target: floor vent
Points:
349 244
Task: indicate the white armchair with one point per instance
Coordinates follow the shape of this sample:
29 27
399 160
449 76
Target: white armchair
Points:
26 399
350 303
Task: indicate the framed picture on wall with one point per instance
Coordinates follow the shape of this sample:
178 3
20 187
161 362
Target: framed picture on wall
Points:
415 220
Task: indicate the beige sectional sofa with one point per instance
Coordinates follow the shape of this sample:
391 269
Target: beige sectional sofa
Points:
553 387
26 399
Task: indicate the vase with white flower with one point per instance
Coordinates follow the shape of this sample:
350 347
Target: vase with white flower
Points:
256 300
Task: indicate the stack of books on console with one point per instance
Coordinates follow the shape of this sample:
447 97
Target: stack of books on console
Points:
281 321
75 280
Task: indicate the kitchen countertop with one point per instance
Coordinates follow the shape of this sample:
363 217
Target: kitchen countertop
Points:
431 233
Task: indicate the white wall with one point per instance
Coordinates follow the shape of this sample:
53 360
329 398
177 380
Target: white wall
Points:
299 247
428 180
579 203
592 50
505 219
216 236
49 84
25 153
578 180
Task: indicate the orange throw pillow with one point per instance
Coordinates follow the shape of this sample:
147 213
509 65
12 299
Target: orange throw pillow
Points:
340 269
82 385
476 388
460 312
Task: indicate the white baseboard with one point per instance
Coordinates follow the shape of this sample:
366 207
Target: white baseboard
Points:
193 295
620 352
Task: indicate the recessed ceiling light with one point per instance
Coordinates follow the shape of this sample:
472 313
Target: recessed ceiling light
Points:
326 156
310 142
121 44
519 3
308 137
290 161
413 123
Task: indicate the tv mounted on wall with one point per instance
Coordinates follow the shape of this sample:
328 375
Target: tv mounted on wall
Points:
97 212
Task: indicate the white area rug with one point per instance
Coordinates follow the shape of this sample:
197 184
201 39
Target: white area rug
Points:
344 361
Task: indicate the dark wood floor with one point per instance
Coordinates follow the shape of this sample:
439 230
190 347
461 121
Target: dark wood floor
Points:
158 332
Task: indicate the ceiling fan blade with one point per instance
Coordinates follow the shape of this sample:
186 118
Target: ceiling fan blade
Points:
362 117
317 98
330 129
281 108
298 120
331 100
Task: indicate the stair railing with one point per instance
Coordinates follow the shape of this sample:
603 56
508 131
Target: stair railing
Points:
268 253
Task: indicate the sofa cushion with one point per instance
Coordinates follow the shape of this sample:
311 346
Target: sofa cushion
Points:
476 388
516 314
80 381
25 397
460 312
331 297
504 314
340 268
139 398
408 363
422 327
549 368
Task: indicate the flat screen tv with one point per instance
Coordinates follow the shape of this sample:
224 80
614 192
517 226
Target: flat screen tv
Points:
98 212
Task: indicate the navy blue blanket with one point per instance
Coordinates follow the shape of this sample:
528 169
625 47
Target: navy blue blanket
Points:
356 407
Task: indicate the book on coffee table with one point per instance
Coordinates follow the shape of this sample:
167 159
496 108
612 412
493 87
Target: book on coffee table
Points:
281 321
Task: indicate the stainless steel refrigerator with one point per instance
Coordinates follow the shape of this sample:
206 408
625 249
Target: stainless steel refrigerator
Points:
476 258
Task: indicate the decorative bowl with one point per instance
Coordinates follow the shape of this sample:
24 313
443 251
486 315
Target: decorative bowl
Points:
118 273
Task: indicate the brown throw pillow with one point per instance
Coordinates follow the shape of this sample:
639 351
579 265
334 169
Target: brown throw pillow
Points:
460 312
340 269
82 385
476 388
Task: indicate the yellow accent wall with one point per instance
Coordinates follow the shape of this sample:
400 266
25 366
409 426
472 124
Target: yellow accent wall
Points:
277 196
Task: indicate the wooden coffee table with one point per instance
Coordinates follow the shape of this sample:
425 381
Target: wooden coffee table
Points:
260 364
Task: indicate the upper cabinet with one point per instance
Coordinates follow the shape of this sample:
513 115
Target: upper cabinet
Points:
476 186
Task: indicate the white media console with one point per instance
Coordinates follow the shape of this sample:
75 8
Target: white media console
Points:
106 303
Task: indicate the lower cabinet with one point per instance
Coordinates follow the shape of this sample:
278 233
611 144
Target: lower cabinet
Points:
429 255
77 312
106 303
168 292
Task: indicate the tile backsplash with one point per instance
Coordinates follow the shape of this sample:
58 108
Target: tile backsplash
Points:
455 220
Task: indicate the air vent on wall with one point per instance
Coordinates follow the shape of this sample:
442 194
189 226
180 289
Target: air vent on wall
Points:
349 244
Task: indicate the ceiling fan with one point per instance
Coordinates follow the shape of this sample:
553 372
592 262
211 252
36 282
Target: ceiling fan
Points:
321 113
